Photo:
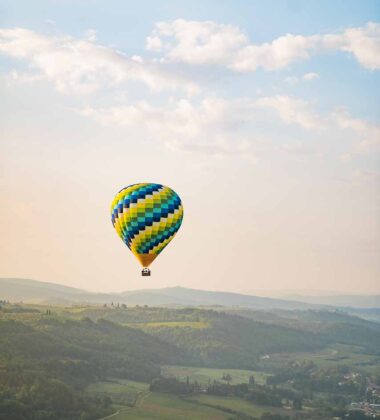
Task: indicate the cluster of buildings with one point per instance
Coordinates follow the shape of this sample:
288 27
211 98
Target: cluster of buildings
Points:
371 409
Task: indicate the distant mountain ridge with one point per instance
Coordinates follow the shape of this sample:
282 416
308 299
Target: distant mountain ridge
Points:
34 291
356 301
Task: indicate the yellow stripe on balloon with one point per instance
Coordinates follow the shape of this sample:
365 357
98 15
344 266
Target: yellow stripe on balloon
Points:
158 248
166 222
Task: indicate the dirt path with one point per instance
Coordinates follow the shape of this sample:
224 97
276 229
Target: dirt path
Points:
141 396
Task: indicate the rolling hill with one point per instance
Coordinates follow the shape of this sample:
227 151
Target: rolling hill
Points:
25 290
52 353
355 301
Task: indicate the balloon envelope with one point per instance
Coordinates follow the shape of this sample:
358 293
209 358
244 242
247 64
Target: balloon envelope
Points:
146 217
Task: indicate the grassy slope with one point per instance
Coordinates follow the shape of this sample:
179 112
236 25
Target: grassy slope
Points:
165 407
35 334
65 347
239 405
236 339
123 392
204 375
168 407
335 355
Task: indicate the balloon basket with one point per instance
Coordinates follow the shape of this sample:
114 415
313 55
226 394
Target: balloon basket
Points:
145 272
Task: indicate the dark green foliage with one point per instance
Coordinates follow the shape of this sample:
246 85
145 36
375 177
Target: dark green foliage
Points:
236 338
233 341
258 394
45 398
269 416
173 386
305 376
48 356
45 364
343 332
356 415
92 348
264 396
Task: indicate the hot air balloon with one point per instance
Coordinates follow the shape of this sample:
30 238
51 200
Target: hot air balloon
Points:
146 217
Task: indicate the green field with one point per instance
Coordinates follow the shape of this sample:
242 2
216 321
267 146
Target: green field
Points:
85 343
339 354
239 405
133 400
169 407
203 407
122 392
204 375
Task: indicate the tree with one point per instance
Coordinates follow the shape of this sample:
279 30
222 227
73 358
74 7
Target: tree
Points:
297 403
357 415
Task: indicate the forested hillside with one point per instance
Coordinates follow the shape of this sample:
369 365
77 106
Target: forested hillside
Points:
50 354
45 362
237 338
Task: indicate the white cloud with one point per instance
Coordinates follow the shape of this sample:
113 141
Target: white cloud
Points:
367 133
195 42
296 148
310 76
293 80
346 157
366 175
363 43
81 66
205 127
183 116
90 35
154 43
275 55
23 77
220 127
293 111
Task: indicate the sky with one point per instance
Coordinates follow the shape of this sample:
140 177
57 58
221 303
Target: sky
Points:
263 116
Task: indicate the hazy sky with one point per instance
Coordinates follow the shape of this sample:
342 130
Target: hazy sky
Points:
263 116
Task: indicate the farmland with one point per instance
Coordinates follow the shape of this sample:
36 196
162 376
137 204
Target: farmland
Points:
336 355
132 400
163 363
205 375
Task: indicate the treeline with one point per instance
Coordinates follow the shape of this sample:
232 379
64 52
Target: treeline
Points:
308 378
140 313
258 394
270 396
38 397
